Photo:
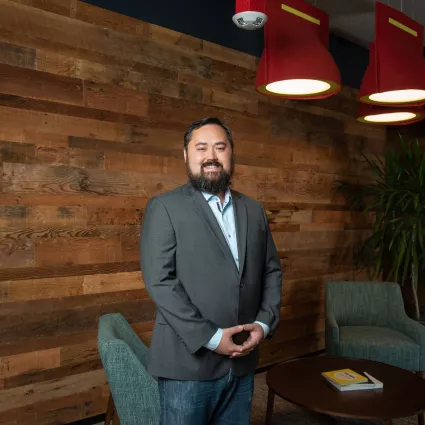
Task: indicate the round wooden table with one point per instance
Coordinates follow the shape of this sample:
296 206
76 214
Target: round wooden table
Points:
300 382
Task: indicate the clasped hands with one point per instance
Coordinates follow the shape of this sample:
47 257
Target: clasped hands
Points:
227 347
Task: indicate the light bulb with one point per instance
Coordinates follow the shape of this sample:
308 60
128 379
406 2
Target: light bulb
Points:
391 117
398 96
298 87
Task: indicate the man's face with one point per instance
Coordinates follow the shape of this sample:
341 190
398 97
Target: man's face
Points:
209 159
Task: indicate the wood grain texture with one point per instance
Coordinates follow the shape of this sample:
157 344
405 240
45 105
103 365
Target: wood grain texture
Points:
92 119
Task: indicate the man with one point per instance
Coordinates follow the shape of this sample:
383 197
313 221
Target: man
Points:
210 265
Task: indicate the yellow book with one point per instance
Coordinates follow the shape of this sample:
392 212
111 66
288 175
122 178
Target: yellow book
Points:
345 377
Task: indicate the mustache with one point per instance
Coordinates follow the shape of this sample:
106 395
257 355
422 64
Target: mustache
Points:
212 163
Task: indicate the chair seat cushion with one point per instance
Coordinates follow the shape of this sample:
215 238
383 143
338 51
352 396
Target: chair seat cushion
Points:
380 344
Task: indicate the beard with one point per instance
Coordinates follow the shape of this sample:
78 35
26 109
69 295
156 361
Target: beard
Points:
211 182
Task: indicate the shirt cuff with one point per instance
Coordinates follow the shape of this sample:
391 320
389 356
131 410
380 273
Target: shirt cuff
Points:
264 326
213 343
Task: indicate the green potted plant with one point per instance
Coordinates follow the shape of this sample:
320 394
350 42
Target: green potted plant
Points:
395 196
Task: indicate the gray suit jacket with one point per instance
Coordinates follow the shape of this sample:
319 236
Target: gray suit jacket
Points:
191 275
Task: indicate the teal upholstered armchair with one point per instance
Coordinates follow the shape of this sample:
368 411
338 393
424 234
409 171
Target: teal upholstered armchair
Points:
367 320
133 391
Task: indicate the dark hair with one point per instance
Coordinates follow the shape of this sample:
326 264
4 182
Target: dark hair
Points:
205 121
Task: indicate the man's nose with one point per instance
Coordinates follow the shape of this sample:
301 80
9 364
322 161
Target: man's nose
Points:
211 153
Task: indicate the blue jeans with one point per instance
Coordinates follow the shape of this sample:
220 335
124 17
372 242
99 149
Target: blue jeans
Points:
224 401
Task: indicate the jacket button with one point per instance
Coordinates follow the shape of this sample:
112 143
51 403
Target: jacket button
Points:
241 285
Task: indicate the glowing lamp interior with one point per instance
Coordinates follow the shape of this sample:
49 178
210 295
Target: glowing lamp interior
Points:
398 96
298 87
391 117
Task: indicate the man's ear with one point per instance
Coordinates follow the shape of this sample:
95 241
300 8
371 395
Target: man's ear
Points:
185 155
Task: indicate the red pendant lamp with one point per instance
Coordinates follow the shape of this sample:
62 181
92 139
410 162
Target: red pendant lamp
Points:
250 14
383 115
296 63
396 71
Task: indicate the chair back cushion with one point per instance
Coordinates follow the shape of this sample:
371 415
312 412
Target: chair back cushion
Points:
364 303
123 355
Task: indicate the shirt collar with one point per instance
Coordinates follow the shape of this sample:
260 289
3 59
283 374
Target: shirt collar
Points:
227 196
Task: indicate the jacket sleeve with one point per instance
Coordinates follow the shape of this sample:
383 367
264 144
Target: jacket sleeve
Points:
269 312
157 258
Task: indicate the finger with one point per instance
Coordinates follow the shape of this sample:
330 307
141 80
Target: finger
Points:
235 355
249 327
242 354
235 330
234 348
249 344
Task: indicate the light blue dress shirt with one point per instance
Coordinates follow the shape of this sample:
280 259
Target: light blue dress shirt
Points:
226 219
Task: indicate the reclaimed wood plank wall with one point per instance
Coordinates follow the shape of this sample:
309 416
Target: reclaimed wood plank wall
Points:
93 106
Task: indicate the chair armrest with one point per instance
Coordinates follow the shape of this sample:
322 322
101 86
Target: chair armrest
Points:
412 329
332 328
416 332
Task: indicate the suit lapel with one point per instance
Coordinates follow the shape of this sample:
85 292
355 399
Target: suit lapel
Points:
207 215
241 218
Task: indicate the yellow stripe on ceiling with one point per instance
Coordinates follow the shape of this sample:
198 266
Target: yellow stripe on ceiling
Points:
300 14
403 27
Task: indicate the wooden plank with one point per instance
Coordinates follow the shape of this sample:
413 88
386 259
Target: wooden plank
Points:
71 338
44 324
177 114
287 123
70 157
110 98
43 288
108 19
16 254
173 39
84 36
23 178
88 409
14 152
68 408
271 354
133 148
44 139
234 75
78 251
12 215
230 101
67 270
299 187
301 310
114 216
156 165
50 374
74 302
45 106
69 286
14 121
29 362
74 200
231 56
61 7
289 215
102 68
39 392
36 344
298 328
130 246
19 56
19 81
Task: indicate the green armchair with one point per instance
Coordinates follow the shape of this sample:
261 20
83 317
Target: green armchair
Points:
367 320
134 392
